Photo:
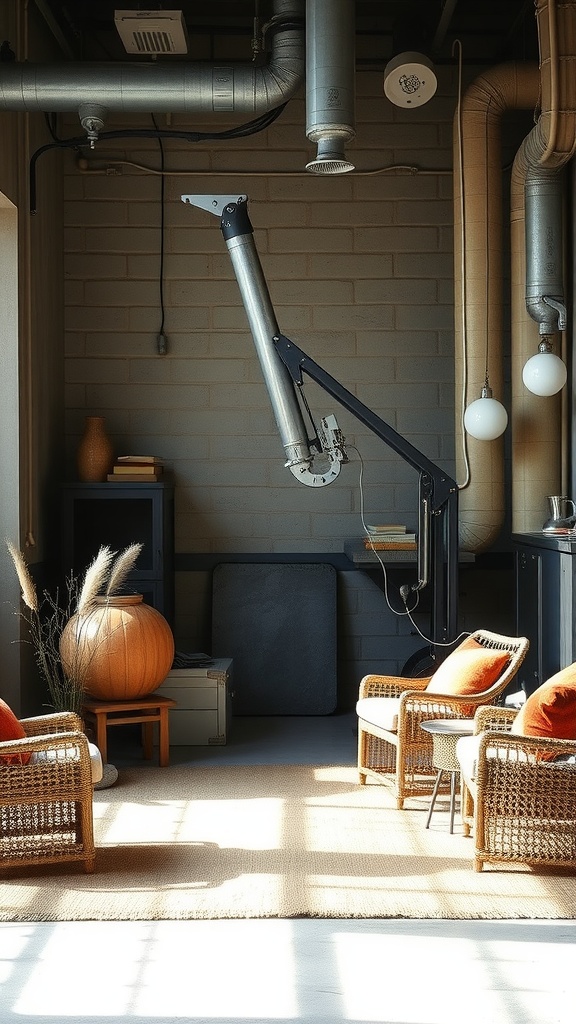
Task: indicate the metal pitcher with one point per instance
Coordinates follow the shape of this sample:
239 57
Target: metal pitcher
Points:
562 514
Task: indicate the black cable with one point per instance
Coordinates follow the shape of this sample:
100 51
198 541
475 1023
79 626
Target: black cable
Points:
161 338
78 142
62 144
51 125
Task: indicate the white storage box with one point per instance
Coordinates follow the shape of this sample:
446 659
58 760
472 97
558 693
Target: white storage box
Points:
202 713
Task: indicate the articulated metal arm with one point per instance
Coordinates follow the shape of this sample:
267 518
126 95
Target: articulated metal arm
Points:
283 365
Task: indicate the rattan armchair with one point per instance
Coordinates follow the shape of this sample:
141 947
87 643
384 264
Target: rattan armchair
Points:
46 804
520 804
392 746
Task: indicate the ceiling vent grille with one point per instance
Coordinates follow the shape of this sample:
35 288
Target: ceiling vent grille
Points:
152 33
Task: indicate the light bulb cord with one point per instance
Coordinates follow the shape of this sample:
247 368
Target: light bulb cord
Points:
457 45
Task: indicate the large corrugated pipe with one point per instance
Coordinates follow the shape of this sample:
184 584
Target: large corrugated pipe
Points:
537 456
478 272
538 459
183 87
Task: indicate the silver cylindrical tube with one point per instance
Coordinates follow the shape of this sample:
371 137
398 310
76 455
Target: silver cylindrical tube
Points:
544 246
264 327
330 65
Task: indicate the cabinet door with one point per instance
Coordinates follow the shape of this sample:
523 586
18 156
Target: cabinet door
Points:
117 515
537 599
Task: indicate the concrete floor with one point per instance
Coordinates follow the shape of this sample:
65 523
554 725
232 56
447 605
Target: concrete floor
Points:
296 971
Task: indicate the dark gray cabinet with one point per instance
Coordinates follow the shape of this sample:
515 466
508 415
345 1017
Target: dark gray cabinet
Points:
545 600
119 514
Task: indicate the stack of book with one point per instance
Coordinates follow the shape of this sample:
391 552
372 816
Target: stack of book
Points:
136 469
389 537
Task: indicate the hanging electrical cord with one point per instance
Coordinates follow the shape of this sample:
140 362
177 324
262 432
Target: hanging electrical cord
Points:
396 611
406 611
80 142
458 44
50 120
161 340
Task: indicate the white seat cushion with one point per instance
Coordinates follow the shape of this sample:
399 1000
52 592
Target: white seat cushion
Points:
379 711
467 754
65 752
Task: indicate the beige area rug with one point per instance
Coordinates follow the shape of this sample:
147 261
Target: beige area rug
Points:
185 842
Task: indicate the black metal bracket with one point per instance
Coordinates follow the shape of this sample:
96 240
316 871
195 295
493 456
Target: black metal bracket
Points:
437 494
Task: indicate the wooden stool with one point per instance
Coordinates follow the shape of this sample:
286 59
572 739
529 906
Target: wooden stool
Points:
147 710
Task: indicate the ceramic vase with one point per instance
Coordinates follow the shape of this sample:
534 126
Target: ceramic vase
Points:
122 649
95 455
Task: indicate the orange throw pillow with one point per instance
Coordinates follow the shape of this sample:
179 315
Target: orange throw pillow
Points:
551 709
471 668
11 729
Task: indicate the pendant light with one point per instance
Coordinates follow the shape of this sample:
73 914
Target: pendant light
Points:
486 418
544 374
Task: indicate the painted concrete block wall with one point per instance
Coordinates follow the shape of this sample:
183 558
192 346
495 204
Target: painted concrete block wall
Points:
360 273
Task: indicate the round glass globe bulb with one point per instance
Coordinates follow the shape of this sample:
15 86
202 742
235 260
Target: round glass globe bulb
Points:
485 419
544 374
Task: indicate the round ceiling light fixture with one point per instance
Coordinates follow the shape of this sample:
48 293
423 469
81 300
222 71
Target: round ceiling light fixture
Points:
410 79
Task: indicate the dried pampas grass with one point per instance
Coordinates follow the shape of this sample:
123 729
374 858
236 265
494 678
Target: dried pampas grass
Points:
122 568
47 618
27 587
94 579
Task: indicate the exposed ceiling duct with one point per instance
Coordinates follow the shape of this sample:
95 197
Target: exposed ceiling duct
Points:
330 92
157 87
537 189
93 90
478 290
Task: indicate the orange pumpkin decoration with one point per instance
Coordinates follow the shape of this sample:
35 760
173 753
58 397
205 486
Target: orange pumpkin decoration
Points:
122 649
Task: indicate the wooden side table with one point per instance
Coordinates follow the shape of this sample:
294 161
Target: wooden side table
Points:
145 710
445 734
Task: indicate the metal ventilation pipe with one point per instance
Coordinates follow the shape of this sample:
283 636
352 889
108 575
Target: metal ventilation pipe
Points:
536 422
537 187
543 206
330 64
186 87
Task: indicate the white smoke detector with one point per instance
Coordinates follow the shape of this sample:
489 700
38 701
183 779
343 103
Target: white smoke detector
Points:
410 79
152 32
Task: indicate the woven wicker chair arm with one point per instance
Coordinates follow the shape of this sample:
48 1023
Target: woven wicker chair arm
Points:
66 776
390 686
493 717
416 707
513 750
459 707
46 741
59 721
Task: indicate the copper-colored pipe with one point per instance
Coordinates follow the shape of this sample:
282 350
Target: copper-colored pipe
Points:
478 306
537 453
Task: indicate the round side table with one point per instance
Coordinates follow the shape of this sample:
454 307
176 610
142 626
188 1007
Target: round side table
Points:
445 734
